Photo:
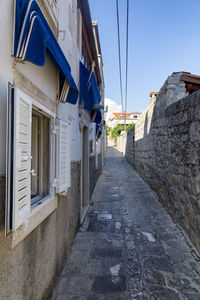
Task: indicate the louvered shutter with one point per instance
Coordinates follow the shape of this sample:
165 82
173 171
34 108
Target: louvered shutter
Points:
64 156
22 159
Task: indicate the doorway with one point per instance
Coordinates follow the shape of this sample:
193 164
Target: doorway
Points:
84 173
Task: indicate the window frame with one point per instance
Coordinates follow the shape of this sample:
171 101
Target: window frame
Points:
38 199
38 212
52 153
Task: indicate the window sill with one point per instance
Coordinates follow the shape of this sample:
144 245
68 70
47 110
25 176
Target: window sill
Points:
38 215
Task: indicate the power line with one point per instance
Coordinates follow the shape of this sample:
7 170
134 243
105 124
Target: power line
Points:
126 90
119 51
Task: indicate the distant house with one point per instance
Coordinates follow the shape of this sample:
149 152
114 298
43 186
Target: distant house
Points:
118 118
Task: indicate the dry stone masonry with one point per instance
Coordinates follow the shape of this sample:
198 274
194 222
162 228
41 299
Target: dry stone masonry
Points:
166 152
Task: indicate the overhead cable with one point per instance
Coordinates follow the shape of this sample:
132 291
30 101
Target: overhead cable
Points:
127 31
119 51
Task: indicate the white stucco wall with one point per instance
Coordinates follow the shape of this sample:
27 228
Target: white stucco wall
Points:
68 43
92 131
5 72
45 78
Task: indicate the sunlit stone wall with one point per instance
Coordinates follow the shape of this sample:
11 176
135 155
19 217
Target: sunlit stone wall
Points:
166 152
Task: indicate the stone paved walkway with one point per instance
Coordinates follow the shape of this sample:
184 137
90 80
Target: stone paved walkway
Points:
128 247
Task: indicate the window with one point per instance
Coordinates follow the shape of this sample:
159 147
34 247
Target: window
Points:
39 147
135 117
40 173
51 12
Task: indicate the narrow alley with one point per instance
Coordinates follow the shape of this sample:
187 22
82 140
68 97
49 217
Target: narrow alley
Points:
128 247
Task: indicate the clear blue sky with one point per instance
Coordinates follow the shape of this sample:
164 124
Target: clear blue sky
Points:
164 37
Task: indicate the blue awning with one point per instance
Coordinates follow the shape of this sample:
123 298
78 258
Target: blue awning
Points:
98 117
98 120
89 91
98 131
34 38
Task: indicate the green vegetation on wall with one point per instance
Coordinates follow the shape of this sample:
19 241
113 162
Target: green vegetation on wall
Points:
129 126
116 131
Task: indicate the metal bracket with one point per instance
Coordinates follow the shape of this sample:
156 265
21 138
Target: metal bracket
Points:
55 129
54 183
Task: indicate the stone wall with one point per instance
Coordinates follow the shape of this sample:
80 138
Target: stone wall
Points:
111 142
121 143
31 269
167 155
129 150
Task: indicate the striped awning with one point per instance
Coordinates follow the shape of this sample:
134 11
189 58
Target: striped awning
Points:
34 38
89 91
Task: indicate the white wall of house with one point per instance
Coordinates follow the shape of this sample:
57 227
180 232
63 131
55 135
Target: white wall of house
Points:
40 83
114 122
44 78
6 73
39 86
68 43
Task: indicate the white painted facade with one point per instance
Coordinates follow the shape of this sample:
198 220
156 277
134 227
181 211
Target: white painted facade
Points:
6 72
115 120
41 85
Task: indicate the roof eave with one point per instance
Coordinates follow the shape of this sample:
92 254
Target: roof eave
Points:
84 5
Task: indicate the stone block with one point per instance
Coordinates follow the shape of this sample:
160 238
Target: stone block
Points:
186 184
195 185
190 214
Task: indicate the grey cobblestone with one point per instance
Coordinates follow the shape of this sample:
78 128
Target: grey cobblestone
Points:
128 247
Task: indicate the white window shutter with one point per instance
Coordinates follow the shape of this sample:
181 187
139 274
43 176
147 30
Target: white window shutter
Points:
22 159
64 156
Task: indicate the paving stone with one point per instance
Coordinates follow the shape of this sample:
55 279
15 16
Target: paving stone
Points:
161 293
130 245
140 296
69 297
108 296
101 226
154 277
158 263
103 216
129 237
110 252
131 255
135 287
189 296
133 269
112 266
79 284
109 284
109 243
149 249
93 266
79 255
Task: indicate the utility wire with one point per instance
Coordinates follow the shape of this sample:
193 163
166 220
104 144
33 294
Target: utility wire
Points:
119 51
126 90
